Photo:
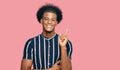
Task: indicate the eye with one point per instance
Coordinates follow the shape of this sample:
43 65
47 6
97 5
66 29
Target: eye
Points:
46 19
53 19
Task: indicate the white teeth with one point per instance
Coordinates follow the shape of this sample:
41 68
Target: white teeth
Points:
49 26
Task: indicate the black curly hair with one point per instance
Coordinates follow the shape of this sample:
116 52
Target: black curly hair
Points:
49 8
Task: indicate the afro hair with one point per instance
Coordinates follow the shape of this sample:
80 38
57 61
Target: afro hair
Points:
49 8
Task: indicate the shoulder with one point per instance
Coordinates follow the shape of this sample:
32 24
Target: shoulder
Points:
69 42
30 41
32 38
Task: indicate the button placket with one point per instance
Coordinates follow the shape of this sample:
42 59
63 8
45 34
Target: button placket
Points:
48 53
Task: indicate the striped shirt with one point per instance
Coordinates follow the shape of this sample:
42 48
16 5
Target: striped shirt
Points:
44 52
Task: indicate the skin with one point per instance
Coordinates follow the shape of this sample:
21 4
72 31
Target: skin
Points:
49 23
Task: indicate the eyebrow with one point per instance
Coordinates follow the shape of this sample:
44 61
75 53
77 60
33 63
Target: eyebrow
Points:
51 18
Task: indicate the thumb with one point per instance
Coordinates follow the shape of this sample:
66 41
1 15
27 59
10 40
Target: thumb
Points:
57 62
59 39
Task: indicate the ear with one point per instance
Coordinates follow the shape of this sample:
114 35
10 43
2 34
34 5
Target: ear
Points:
41 20
56 23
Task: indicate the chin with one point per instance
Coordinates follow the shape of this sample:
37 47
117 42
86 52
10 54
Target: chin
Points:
48 31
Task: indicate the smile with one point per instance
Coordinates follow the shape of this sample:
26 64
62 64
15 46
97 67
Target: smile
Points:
49 26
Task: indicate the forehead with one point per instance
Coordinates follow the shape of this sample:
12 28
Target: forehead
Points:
49 14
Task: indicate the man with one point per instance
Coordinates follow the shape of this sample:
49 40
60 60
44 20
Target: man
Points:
48 51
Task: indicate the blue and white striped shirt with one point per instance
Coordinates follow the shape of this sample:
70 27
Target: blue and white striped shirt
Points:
44 52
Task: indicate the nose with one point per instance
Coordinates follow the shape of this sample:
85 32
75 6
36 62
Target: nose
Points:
49 21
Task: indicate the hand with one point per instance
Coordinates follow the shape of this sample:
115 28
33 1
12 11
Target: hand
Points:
56 66
63 40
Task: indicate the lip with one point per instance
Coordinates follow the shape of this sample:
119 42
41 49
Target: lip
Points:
49 26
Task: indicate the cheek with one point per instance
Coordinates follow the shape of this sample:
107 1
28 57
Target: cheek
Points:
56 24
45 22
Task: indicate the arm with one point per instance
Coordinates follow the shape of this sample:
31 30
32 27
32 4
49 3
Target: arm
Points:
65 60
26 64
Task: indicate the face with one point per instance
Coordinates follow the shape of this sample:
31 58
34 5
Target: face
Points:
49 21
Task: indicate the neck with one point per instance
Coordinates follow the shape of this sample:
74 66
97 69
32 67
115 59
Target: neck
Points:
48 34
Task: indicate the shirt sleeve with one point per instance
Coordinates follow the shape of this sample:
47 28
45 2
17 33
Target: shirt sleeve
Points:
28 50
69 49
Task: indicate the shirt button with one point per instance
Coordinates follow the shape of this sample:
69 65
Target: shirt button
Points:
49 46
49 55
48 42
48 63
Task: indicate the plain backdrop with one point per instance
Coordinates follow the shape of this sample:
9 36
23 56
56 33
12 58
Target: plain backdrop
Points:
93 28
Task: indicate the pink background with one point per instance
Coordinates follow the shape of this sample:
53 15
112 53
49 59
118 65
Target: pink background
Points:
94 29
